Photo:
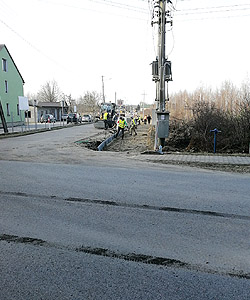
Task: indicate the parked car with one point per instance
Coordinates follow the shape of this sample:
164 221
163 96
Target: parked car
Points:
64 117
86 118
74 118
48 118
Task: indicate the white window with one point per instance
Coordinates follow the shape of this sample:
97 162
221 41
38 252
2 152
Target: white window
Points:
4 65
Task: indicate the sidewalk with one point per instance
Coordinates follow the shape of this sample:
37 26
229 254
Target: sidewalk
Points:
32 126
216 162
194 158
136 147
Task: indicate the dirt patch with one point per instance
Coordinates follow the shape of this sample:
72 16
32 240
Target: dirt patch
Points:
94 141
132 143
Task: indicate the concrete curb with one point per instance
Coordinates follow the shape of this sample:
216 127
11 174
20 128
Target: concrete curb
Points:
106 142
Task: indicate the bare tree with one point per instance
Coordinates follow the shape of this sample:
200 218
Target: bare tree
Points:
31 96
227 109
89 102
69 101
49 92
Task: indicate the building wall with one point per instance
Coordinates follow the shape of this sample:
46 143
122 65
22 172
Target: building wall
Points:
14 81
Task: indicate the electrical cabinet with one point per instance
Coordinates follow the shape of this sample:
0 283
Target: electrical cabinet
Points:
163 124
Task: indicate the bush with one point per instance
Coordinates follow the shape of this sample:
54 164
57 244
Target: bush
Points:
179 135
196 135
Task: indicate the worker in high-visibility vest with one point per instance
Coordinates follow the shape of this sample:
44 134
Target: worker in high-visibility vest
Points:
121 126
105 119
133 126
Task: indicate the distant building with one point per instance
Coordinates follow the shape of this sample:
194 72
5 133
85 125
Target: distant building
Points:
53 108
11 86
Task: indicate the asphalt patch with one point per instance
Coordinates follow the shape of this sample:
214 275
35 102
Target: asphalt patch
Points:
148 259
134 205
133 257
22 240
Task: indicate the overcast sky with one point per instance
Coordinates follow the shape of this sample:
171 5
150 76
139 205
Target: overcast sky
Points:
76 42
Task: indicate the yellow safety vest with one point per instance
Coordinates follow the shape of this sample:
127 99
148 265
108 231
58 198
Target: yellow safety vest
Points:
122 123
105 116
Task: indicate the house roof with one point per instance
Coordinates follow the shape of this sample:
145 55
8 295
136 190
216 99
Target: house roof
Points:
4 46
51 104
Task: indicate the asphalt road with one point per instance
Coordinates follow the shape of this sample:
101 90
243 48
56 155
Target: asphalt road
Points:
77 224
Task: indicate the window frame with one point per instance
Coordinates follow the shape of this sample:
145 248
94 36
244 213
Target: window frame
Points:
6 86
8 109
4 65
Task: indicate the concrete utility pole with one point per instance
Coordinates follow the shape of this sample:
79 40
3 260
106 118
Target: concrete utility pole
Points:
103 95
161 69
161 54
35 112
143 104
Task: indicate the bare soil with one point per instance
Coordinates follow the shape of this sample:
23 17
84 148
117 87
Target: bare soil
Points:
133 143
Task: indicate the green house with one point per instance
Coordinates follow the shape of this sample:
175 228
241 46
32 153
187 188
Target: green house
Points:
11 86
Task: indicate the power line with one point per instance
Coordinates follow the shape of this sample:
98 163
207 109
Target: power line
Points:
216 17
96 10
31 45
52 2
120 5
6 10
4 5
215 7
212 11
103 2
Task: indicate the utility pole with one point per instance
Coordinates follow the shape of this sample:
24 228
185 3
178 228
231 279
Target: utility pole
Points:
161 54
103 95
161 68
143 103
35 112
